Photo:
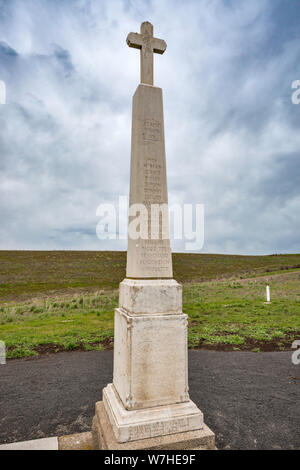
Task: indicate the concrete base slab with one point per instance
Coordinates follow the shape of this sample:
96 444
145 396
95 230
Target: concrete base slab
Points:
48 443
104 438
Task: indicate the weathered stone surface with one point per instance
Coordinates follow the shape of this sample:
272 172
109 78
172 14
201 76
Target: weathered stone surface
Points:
150 359
79 441
104 438
150 296
148 258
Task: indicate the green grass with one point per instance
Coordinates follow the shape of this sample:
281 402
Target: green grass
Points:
81 322
228 314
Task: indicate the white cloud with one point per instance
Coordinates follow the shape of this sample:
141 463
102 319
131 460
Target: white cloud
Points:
231 134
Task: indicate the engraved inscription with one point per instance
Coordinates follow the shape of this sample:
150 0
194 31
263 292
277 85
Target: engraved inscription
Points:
152 182
159 428
155 254
151 130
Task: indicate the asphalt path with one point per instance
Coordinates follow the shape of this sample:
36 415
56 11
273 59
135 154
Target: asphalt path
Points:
250 400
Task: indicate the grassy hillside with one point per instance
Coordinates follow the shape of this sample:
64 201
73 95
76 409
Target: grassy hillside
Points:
28 274
54 301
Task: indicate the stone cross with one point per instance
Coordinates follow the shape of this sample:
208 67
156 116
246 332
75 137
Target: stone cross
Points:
147 44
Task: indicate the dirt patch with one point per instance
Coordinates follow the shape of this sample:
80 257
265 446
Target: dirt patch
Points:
276 344
51 348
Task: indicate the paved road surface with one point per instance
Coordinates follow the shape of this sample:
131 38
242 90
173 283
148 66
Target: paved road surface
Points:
250 400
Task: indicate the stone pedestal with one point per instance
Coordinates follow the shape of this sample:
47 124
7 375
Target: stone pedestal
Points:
148 399
150 359
150 349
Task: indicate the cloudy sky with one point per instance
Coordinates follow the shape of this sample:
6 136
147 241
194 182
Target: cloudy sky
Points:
232 131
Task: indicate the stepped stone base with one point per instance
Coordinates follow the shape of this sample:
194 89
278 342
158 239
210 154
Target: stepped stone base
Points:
131 425
104 438
148 406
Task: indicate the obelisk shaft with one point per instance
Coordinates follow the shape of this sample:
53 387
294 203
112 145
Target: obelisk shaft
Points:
149 258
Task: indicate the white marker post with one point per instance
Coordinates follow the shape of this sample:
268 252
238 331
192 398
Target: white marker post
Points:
268 294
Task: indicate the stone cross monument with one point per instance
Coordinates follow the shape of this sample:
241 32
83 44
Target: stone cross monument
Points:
148 406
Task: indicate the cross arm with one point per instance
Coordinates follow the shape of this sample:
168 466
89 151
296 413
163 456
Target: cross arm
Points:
134 40
159 45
